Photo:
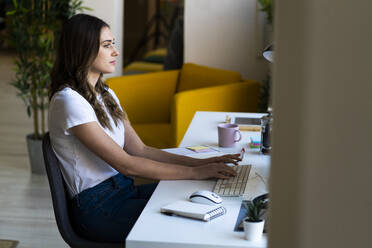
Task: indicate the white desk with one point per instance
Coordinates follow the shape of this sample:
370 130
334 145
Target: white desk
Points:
155 230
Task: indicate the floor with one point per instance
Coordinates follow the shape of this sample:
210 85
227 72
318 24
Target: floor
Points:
26 212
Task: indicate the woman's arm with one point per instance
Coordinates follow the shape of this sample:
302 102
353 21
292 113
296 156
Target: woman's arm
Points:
135 146
98 142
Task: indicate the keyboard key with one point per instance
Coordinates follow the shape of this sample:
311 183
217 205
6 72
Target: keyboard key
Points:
234 186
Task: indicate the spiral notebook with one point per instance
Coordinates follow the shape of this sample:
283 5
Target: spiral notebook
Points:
193 210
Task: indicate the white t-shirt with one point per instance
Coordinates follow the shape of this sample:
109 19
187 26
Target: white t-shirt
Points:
81 168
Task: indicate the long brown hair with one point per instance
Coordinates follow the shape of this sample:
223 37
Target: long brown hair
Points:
78 47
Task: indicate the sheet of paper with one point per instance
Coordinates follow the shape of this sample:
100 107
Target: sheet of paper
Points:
179 151
210 152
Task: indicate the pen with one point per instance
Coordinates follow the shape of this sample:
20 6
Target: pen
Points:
242 153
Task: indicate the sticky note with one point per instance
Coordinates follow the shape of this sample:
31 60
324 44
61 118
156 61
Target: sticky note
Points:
254 144
200 148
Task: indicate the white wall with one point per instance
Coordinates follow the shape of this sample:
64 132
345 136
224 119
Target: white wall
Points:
322 161
226 34
112 12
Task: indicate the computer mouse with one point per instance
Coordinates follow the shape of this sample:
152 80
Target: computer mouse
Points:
205 197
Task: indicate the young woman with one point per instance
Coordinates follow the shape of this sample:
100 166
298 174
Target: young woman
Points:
95 143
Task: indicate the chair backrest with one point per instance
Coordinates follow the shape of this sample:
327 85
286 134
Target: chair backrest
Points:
61 201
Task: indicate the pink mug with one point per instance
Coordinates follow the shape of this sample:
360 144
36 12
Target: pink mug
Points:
227 135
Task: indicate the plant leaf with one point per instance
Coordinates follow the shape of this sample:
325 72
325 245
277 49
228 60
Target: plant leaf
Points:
15 3
11 12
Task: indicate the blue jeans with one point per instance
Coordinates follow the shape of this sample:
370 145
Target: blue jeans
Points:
108 211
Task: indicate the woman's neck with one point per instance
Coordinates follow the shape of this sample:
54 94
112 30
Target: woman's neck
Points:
93 78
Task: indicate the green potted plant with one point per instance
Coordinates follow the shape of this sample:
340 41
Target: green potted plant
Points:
34 27
254 221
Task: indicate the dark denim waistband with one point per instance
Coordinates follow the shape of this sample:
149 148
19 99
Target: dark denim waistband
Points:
117 182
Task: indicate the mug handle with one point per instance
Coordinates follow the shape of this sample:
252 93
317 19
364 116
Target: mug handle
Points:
240 135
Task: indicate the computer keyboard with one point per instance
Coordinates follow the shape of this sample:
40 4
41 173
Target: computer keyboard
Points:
234 186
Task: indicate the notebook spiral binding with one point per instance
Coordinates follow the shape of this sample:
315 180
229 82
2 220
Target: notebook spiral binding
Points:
216 213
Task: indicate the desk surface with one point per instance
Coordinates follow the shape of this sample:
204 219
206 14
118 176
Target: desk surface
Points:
156 230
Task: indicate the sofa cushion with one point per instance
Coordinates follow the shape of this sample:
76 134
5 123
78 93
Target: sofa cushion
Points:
146 97
157 135
196 76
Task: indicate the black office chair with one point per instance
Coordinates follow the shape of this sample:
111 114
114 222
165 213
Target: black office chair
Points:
61 202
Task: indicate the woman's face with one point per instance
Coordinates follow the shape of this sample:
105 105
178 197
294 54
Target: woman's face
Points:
106 57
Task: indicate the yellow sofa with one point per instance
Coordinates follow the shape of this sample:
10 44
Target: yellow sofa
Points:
161 105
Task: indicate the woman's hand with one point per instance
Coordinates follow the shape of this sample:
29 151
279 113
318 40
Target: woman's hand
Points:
228 158
213 170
